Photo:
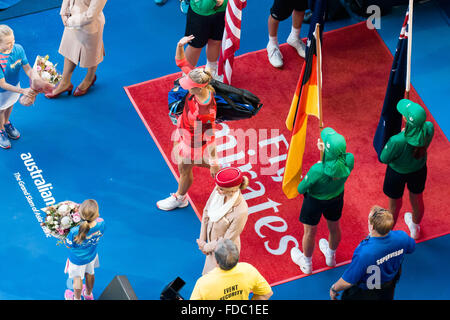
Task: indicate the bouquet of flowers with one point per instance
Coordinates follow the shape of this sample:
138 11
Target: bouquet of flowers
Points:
61 218
44 79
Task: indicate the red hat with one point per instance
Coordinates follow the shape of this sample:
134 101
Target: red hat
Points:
229 177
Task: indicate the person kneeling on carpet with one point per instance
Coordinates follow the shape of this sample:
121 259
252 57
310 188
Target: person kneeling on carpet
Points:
323 189
12 57
194 139
376 263
231 279
82 241
406 157
225 214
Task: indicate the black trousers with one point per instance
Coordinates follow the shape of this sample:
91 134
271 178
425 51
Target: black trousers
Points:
356 293
385 293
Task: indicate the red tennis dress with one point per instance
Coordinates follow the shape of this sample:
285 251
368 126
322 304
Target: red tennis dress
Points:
196 125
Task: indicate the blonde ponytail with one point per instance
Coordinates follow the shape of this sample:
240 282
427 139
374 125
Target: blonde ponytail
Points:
82 232
88 212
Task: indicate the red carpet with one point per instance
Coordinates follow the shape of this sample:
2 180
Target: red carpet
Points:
356 66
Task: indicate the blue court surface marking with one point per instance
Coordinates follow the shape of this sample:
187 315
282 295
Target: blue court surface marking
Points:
96 146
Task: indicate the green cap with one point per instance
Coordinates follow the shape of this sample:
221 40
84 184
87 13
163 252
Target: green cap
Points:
415 119
334 156
415 115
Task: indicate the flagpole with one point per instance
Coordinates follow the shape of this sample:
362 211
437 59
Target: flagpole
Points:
319 79
408 64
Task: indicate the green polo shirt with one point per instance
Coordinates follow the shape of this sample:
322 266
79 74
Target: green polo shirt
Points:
398 154
206 7
321 186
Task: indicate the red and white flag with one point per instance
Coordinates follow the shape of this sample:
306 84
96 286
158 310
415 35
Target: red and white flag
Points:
231 38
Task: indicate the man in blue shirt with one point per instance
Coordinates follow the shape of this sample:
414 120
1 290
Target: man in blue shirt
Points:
376 263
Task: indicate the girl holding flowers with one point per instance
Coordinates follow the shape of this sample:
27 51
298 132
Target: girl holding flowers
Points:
82 241
12 57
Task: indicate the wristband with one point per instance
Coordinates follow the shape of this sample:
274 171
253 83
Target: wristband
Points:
334 290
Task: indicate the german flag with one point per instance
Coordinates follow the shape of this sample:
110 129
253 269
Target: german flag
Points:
304 103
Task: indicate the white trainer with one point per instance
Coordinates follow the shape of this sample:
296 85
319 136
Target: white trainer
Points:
172 202
298 45
413 229
330 258
216 76
299 258
274 55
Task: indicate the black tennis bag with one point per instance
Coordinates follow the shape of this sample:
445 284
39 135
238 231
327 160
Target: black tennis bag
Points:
232 103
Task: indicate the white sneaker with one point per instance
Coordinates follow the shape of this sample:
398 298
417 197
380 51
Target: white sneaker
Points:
298 258
414 230
330 258
218 78
274 55
215 75
298 44
172 202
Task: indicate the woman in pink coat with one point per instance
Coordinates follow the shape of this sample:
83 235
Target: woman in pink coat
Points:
81 43
225 214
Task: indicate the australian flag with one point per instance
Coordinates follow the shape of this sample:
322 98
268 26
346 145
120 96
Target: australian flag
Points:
391 120
319 13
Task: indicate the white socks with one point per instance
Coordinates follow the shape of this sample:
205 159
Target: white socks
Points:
273 41
211 66
308 260
295 33
413 228
179 197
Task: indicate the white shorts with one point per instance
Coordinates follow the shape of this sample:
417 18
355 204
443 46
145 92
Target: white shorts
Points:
78 271
8 98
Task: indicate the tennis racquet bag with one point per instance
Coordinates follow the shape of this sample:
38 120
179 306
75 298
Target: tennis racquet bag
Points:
232 103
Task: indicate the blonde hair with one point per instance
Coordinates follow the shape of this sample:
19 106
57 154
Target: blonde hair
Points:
5 31
201 76
88 212
245 183
381 220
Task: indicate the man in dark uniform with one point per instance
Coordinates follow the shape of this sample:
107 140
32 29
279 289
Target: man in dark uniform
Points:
376 263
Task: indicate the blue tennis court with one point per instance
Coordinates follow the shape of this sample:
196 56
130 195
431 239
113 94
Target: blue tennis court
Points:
96 146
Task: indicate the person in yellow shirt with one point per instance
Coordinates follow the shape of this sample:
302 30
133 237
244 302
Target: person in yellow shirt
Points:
231 279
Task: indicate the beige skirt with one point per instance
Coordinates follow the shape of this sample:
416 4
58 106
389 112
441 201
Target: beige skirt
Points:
81 47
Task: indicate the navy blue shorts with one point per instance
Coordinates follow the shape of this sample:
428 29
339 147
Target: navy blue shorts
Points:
204 27
312 209
394 182
282 9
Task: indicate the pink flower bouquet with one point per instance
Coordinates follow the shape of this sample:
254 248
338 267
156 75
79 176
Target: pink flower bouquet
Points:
44 79
61 218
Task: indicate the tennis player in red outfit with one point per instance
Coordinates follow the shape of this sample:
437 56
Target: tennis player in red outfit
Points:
194 143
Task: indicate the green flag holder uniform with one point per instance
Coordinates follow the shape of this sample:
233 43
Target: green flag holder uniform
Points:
323 185
405 152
